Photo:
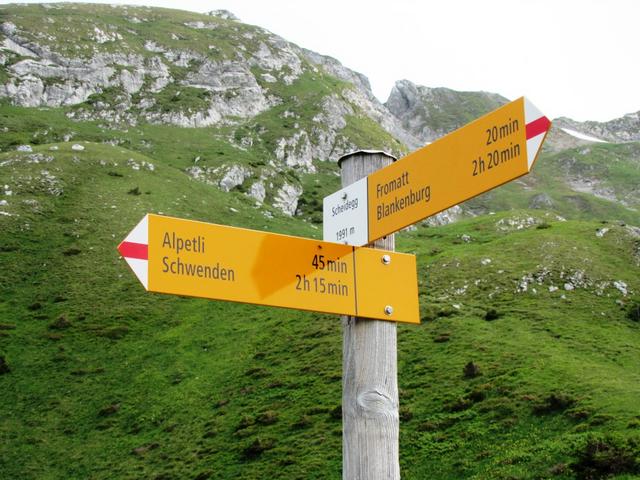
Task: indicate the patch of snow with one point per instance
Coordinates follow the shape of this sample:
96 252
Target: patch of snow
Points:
76 147
582 136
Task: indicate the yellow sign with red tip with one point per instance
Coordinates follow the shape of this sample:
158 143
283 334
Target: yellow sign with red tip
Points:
486 153
185 257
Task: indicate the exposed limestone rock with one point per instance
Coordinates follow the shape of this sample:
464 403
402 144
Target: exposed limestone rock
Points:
296 151
218 76
8 28
223 14
182 58
235 175
152 46
450 215
362 97
276 56
287 197
226 177
335 68
72 81
158 72
257 191
201 25
541 201
242 103
516 223
100 36
619 130
334 111
127 83
198 173
370 106
131 81
594 187
19 49
430 113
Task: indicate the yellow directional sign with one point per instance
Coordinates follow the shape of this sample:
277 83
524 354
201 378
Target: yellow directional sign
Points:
486 153
185 257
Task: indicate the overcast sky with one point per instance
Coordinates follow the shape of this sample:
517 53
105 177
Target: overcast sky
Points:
575 58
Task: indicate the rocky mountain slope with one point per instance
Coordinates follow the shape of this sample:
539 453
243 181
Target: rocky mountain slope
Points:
100 379
576 159
430 113
523 366
152 66
619 130
284 112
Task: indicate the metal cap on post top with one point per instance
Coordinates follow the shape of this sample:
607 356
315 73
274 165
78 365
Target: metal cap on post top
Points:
360 152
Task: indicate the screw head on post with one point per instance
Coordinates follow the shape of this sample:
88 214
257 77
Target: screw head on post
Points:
388 310
386 259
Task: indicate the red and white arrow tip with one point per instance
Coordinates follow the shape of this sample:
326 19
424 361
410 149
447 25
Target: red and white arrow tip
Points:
135 250
537 126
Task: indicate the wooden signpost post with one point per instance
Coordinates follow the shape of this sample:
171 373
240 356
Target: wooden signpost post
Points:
378 198
370 418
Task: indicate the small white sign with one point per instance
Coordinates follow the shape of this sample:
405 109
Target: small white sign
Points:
345 215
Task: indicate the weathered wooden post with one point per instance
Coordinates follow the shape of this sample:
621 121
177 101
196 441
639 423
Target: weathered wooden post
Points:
370 422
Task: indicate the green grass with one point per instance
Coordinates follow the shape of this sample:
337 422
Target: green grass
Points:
615 168
361 128
455 108
130 384
106 380
71 35
181 98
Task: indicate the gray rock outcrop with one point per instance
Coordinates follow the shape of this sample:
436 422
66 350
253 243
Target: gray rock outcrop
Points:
430 113
620 130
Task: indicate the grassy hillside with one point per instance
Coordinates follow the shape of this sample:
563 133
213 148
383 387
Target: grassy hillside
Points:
107 381
596 182
524 365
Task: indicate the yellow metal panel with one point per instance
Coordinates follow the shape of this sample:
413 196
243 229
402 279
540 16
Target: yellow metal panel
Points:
475 158
219 262
387 285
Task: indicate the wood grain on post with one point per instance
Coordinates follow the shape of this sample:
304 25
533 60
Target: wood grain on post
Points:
370 421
